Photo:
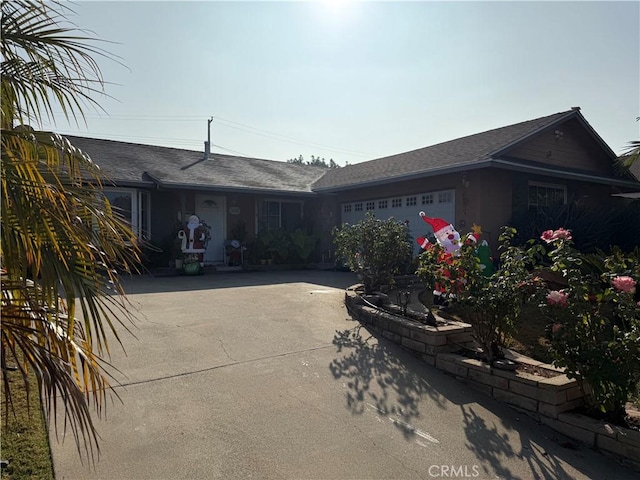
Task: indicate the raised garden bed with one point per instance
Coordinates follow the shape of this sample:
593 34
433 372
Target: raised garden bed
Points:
541 390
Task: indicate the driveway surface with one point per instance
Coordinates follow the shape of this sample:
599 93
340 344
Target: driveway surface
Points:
263 375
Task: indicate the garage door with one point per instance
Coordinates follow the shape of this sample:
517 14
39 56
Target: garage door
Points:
439 204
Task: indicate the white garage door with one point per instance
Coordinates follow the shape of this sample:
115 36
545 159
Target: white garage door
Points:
440 204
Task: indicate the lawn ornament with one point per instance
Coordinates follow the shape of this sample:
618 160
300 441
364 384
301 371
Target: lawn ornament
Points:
449 239
194 238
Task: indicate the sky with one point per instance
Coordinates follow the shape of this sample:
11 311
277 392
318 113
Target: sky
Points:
353 81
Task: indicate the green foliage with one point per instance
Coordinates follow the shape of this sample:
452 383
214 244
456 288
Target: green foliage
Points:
304 244
284 247
492 304
375 249
595 323
62 243
593 228
315 161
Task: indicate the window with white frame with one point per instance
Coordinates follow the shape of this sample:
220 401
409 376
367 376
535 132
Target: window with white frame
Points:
546 195
382 204
371 205
396 202
427 199
358 207
411 201
133 206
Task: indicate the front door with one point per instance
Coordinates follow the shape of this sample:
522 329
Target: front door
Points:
211 210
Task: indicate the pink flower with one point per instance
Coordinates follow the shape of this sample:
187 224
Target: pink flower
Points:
563 234
555 328
547 236
624 284
560 234
557 297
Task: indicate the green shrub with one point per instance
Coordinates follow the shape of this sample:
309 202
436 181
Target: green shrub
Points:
595 322
491 304
375 249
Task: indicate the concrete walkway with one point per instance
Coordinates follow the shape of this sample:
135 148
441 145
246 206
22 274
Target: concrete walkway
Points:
263 375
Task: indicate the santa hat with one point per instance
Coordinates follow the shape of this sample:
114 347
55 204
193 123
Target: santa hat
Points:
436 223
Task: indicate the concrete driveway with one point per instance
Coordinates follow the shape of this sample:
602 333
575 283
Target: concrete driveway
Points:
263 375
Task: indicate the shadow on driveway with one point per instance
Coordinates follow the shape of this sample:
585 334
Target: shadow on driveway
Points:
380 375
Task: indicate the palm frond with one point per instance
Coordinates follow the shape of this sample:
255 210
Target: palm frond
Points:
63 247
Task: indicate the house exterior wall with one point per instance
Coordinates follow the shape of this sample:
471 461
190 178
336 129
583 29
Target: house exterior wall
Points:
579 193
571 148
484 199
241 214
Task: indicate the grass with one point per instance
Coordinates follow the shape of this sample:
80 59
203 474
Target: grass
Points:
24 440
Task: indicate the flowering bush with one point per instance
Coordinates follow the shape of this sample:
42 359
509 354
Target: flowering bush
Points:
595 321
492 304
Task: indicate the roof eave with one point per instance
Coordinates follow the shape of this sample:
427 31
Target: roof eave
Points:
573 113
461 167
227 189
548 171
504 148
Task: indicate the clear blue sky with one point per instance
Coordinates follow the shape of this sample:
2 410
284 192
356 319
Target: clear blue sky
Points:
354 81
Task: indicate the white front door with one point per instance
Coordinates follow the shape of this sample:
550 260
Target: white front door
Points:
211 210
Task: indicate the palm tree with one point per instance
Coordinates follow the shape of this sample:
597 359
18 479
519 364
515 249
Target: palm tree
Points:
62 245
632 154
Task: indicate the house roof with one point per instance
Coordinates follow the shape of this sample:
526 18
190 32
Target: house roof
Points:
473 151
129 164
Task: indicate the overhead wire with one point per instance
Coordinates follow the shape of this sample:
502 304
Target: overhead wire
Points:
220 122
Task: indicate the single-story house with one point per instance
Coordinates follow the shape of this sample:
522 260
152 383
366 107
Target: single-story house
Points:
484 179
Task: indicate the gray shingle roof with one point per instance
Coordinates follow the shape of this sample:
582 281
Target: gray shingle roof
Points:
459 152
135 164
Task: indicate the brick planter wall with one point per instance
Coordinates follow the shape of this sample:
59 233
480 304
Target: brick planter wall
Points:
550 400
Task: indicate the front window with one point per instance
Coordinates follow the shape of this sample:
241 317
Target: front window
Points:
546 195
275 214
133 206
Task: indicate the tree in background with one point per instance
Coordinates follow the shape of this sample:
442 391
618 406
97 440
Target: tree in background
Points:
315 161
62 244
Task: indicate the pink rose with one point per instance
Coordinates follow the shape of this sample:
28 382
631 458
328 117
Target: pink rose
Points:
624 284
555 328
560 234
547 236
557 297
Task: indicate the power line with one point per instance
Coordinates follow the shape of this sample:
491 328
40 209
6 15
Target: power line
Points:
228 124
294 140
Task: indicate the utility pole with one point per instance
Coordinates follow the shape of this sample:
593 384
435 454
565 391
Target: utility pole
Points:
207 144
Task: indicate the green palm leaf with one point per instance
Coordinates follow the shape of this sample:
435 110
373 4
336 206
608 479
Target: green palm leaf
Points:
62 245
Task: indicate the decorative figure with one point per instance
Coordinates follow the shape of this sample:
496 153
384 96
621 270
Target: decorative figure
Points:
446 236
449 239
194 238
